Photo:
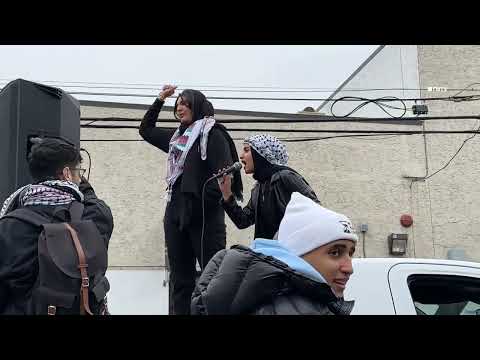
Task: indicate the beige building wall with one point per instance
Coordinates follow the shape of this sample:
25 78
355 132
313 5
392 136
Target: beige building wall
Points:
454 192
368 179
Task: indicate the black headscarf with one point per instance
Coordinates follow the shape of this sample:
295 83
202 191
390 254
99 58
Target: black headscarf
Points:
197 102
262 169
237 185
201 107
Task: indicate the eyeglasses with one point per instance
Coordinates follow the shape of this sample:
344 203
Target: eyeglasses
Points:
81 172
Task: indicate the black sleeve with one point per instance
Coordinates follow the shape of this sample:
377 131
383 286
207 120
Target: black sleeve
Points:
292 182
158 137
242 218
97 211
219 155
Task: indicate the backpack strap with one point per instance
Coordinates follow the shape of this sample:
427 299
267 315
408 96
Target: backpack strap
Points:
76 211
28 216
82 265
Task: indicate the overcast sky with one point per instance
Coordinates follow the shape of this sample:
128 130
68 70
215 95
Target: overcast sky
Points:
196 66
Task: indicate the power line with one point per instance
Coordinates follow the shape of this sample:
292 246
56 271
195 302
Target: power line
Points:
225 90
359 136
369 137
199 89
454 155
449 98
243 90
362 137
91 122
466 88
459 149
385 132
294 118
157 86
293 139
379 102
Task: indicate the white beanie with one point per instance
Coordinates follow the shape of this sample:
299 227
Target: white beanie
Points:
306 226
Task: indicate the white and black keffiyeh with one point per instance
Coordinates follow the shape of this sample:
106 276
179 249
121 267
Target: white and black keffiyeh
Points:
51 192
200 128
269 147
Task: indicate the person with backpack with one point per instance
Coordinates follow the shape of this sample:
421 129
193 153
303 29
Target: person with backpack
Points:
54 237
266 158
305 272
194 221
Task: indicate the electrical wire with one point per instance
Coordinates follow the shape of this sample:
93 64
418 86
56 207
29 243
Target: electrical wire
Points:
350 132
376 138
296 118
158 86
384 132
360 136
378 102
454 155
89 162
293 139
466 88
449 98
219 90
202 265
91 122
464 98
205 90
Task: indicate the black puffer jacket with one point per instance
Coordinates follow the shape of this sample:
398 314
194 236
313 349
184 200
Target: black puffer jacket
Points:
279 189
19 248
241 281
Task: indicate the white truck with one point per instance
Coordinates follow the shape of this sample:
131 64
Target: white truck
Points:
402 286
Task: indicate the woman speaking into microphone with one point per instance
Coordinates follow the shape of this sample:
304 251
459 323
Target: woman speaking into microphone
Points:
265 157
194 221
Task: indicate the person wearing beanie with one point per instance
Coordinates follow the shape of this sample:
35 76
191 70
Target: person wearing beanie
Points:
305 272
197 149
265 157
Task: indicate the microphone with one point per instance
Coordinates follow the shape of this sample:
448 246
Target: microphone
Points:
235 167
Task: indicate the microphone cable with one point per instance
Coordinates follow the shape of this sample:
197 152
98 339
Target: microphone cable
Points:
203 221
203 212
89 162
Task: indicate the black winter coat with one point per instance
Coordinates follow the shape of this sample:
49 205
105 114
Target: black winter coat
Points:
242 281
279 190
18 248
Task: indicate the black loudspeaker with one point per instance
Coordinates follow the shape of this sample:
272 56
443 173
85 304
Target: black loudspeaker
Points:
29 110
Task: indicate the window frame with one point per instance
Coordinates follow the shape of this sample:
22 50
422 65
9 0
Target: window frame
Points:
399 273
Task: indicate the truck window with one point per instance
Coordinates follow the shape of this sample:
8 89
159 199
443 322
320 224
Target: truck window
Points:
445 294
